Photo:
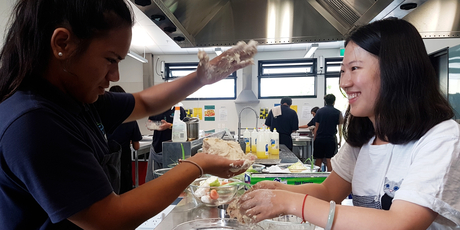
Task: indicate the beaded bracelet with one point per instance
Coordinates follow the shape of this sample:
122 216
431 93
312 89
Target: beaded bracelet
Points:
199 167
330 218
303 207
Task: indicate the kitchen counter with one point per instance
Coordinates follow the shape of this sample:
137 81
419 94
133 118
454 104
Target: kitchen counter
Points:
286 155
180 214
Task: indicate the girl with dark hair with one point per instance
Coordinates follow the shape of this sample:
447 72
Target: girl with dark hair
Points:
311 123
58 170
401 157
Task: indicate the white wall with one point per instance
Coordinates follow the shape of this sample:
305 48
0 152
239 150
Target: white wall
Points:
131 80
233 110
5 10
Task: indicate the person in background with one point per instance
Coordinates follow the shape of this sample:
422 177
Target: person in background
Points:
127 135
57 59
163 133
400 160
285 120
327 120
311 124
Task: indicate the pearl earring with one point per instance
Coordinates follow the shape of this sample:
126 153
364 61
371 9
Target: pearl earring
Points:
60 54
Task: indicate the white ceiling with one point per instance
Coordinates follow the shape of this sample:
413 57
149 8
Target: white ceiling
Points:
149 38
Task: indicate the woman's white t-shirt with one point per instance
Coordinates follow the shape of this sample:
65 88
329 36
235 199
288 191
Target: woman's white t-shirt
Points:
425 172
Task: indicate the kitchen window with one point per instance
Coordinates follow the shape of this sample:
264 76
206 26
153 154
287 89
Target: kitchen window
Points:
223 89
294 78
332 78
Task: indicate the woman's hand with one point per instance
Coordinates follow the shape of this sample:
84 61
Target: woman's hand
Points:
264 204
220 67
219 166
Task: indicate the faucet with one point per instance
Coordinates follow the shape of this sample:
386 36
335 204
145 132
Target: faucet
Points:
239 120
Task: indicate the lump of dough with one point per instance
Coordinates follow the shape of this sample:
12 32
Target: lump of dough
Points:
228 149
234 212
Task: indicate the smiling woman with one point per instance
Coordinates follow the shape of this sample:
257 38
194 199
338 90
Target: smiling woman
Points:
398 124
58 58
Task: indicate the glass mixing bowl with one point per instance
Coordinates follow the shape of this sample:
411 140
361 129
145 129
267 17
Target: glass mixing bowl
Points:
213 196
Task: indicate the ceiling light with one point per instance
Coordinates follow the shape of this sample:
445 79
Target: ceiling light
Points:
157 17
218 51
137 57
312 50
143 2
178 38
408 6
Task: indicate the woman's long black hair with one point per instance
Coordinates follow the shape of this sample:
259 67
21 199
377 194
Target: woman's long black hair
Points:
409 102
27 48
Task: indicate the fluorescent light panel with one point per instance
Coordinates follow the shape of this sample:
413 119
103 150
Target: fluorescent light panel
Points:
312 50
137 57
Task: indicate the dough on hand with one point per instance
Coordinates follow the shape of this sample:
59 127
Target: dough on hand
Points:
228 149
234 212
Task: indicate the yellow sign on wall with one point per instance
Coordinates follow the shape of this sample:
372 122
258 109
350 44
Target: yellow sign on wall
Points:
198 112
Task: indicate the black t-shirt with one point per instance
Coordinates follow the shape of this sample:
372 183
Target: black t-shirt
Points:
51 151
123 135
160 136
312 122
328 119
285 124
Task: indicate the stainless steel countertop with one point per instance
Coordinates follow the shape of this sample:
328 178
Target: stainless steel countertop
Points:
287 156
181 213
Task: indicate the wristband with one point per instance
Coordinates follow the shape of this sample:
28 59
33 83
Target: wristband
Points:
330 218
303 207
191 162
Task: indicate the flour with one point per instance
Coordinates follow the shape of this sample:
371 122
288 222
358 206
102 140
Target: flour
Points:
230 150
234 210
241 53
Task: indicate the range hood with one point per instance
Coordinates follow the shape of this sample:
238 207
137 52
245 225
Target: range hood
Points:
205 23
247 95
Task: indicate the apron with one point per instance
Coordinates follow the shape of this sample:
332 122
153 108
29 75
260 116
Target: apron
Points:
111 162
111 165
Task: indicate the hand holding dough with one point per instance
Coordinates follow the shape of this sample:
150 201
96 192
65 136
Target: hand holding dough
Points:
239 56
228 149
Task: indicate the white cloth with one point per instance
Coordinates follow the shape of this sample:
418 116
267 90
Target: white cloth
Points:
429 169
276 111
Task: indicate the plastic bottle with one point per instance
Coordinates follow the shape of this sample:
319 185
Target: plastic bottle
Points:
261 145
254 141
179 128
275 143
267 137
247 140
